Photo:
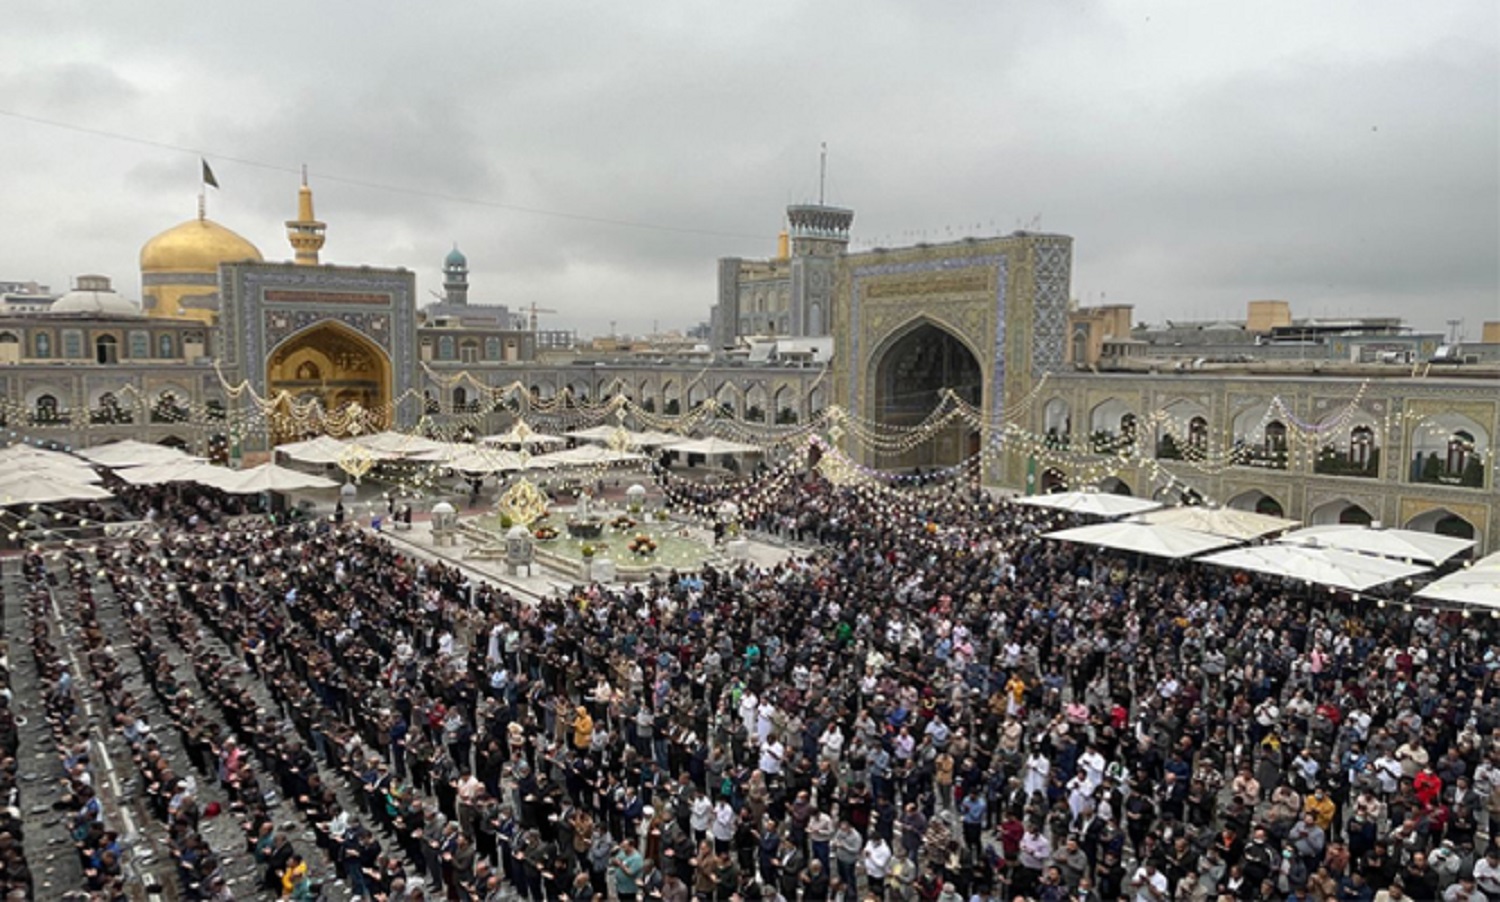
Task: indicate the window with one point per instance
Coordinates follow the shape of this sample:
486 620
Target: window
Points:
46 409
109 410
468 351
165 347
1361 444
167 409
72 342
1198 434
492 348
460 399
1460 446
140 345
445 347
41 345
106 349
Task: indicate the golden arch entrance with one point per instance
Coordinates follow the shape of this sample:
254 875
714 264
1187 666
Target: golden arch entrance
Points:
335 366
913 371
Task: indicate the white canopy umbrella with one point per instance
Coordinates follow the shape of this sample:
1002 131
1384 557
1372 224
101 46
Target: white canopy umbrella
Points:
174 471
522 435
1402 544
1218 521
395 444
474 458
322 449
1477 585
583 456
1143 538
1098 504
40 464
601 433
653 438
711 446
131 453
270 477
1322 566
28 489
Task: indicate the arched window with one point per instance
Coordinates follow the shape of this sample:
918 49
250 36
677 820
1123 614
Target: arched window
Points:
140 345
108 410
468 350
106 349
165 347
492 348
445 347
46 409
1275 437
167 409
41 345
460 399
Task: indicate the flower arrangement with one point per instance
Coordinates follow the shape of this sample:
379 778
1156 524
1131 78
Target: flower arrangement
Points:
588 551
545 533
622 522
642 545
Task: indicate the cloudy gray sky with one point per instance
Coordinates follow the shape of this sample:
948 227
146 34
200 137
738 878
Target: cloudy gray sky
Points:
1343 155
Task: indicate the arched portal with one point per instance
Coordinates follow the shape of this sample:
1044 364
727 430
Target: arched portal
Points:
1443 522
1258 502
1340 511
1114 485
336 366
911 375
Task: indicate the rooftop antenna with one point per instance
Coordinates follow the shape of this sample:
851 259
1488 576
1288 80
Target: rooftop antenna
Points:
1453 326
822 170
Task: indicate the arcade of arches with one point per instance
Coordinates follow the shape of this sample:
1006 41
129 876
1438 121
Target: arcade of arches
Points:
909 382
333 365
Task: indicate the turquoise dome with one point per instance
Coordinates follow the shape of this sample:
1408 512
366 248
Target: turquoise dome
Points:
456 258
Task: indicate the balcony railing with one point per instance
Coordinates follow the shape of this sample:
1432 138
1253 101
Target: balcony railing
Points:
1332 462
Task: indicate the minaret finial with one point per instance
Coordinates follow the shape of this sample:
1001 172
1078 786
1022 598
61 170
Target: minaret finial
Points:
822 170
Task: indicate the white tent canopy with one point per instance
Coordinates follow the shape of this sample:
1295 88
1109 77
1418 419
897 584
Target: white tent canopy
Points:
1322 566
1098 504
395 444
323 449
131 453
473 458
1402 544
712 446
1218 521
1143 538
583 456
42 464
270 477
522 435
1478 585
26 488
601 433
174 471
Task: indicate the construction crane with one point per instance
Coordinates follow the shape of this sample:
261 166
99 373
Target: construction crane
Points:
534 311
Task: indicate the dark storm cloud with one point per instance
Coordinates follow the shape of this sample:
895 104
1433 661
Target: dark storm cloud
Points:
1342 156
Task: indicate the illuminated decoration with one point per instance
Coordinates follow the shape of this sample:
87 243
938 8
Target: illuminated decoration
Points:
523 503
356 460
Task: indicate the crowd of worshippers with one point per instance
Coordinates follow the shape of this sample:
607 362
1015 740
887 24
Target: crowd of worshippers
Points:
82 816
937 704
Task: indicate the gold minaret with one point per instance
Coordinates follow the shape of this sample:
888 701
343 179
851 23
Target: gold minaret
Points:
304 232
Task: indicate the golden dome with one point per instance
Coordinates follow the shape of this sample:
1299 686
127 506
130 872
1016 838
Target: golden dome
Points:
198 245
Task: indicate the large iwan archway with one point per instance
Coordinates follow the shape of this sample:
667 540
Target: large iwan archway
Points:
912 374
336 366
